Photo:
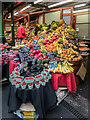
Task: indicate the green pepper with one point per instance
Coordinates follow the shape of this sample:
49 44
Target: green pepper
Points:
38 61
45 60
32 57
30 52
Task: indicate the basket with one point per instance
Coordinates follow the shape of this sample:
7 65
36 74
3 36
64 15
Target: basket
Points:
37 84
43 82
19 78
29 79
25 68
44 75
13 82
23 85
24 64
38 77
30 85
18 84
46 71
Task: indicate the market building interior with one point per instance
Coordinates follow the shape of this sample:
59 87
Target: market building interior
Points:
44 59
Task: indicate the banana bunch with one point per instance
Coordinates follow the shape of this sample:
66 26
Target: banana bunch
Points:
63 69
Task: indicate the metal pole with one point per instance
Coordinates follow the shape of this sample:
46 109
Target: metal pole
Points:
12 27
2 38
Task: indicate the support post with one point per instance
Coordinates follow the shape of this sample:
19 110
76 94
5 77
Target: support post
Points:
2 38
28 19
37 19
43 18
12 27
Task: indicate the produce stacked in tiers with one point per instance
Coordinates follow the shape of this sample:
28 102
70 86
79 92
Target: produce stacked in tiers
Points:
56 40
29 78
51 46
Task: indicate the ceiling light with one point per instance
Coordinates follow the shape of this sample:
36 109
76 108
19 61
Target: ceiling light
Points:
80 5
38 1
9 17
25 8
83 10
60 3
16 13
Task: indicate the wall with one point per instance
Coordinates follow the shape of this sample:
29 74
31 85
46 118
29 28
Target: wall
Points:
52 16
84 27
40 19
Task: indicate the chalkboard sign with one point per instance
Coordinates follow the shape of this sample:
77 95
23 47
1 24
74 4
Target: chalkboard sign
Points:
53 64
35 41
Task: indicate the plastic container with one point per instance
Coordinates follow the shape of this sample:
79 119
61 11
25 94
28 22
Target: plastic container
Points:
24 64
18 84
30 85
47 79
37 84
12 78
16 74
29 79
49 76
44 75
23 85
17 69
19 78
13 82
25 68
46 71
43 82
38 77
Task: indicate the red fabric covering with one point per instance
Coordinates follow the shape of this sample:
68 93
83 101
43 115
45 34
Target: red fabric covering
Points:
12 65
64 80
21 32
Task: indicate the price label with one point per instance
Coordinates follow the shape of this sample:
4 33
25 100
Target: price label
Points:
36 47
35 41
33 61
53 64
50 55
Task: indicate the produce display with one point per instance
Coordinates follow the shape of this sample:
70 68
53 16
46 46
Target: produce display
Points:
62 68
18 79
50 46
83 48
55 38
6 54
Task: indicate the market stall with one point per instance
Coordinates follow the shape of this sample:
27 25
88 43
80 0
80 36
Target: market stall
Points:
46 59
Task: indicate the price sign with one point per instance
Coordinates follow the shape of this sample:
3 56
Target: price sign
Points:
50 55
36 47
35 41
53 64
33 61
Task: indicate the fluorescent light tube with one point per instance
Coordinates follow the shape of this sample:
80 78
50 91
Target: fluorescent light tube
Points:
80 5
38 1
16 13
25 8
60 3
83 10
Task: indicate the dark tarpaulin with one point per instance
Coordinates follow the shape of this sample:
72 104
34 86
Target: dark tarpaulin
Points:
42 98
5 71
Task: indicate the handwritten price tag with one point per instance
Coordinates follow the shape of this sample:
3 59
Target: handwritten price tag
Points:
50 55
53 64
35 41
36 47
